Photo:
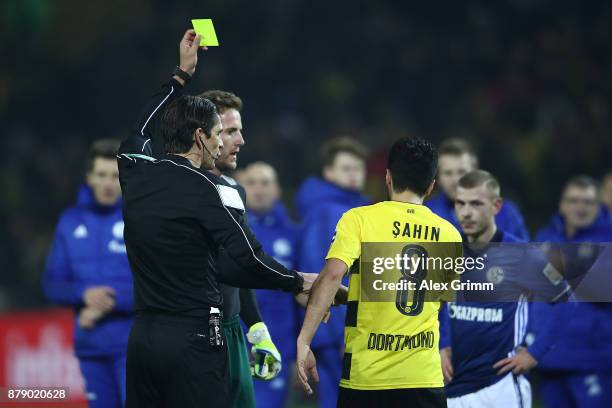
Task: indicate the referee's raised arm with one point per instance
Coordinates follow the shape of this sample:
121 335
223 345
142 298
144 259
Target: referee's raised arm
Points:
142 140
177 216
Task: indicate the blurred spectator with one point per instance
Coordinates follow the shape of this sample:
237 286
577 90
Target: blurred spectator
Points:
576 372
87 270
457 158
320 203
580 218
606 194
272 226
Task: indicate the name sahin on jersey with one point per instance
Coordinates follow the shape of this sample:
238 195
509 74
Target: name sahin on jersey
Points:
417 231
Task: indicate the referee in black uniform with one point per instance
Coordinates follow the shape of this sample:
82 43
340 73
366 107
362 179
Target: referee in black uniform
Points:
176 218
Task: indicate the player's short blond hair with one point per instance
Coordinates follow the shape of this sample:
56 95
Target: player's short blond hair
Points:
477 178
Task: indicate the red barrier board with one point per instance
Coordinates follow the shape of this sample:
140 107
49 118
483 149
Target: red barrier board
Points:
37 363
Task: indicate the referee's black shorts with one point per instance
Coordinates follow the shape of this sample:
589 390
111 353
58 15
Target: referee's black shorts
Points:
400 398
170 363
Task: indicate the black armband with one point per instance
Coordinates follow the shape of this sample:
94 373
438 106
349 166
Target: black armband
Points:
181 74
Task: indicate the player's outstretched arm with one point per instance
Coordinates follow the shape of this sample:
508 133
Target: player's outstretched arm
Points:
322 295
340 299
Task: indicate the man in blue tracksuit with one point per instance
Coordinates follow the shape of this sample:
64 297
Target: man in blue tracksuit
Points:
578 371
87 269
272 226
320 202
457 158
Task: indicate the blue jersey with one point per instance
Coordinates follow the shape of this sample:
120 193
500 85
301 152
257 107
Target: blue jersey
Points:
487 326
320 204
278 236
88 250
508 219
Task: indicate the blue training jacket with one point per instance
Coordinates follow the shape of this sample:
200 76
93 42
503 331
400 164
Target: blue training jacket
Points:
508 219
278 235
320 205
584 343
88 250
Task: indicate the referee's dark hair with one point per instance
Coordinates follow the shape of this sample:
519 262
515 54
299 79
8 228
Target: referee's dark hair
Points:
181 119
413 163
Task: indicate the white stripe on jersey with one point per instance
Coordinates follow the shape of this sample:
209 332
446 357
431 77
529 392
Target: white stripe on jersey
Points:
521 318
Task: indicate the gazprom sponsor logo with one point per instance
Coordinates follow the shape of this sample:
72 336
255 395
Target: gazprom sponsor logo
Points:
475 314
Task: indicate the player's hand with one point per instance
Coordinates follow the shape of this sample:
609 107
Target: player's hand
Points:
520 363
306 365
267 361
446 355
89 316
100 297
188 51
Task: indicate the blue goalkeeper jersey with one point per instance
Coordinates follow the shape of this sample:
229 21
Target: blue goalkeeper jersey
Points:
484 327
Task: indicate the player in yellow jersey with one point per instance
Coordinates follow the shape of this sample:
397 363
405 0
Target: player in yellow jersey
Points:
391 331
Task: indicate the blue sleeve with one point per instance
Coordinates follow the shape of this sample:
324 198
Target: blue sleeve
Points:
317 232
124 297
59 284
541 236
514 222
550 318
445 327
540 278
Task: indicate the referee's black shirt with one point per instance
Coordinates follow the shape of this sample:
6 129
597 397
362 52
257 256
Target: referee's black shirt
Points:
176 219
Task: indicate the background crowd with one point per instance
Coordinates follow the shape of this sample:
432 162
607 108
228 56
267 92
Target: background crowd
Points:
528 82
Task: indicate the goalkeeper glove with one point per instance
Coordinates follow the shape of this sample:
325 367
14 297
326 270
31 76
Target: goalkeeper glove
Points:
266 362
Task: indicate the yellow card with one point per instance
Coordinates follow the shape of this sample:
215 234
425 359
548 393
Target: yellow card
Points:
204 27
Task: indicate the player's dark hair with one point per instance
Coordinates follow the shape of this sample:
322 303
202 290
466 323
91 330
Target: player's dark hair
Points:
223 100
413 163
181 119
457 147
581 181
478 178
103 148
343 144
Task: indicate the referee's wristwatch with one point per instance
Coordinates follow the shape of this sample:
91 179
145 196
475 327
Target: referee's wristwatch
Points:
181 74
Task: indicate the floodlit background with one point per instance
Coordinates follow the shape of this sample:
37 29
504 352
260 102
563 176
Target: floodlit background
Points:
528 82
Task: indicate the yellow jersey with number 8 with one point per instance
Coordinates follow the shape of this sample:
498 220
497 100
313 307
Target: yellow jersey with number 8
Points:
391 330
